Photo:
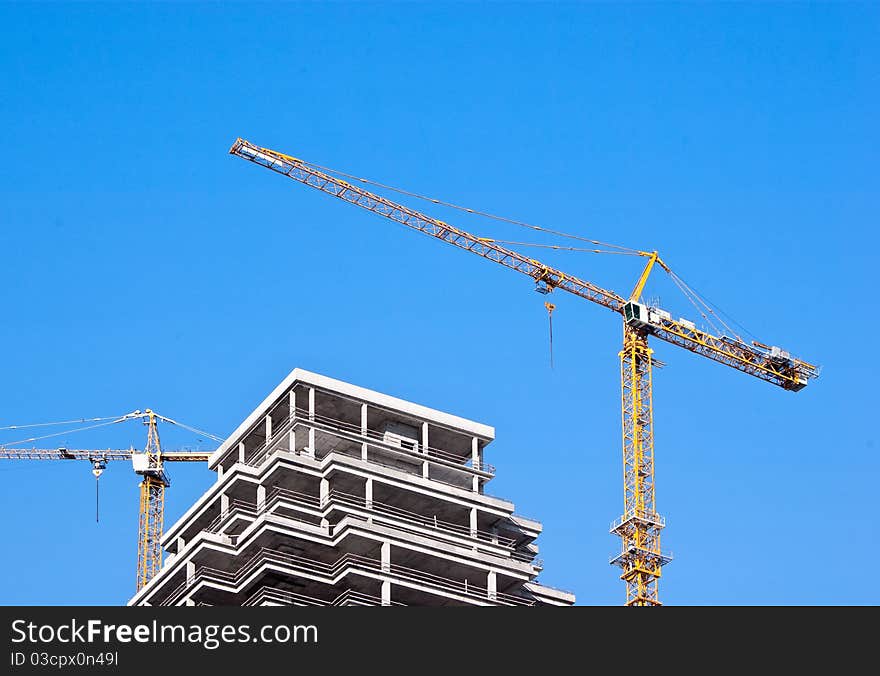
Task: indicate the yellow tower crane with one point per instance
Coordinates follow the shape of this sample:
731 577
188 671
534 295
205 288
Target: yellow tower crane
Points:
640 557
149 464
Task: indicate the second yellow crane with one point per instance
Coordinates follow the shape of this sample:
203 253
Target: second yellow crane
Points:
149 464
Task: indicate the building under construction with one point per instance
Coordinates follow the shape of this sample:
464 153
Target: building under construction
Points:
330 494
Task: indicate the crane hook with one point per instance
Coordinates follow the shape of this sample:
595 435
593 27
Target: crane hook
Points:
550 307
98 467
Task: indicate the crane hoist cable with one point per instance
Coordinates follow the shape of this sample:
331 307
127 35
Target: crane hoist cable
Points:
98 467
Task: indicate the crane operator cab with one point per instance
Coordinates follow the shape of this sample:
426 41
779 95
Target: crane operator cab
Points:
640 316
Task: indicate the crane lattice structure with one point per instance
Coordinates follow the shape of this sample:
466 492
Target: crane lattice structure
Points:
149 464
640 557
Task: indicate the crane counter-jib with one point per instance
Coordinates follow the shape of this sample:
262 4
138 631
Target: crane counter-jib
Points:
770 364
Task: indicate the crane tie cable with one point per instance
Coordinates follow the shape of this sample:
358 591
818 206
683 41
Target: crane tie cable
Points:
555 247
60 422
213 437
695 299
58 434
106 421
468 210
709 305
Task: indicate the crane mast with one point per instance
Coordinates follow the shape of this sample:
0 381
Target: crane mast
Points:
640 557
639 528
151 515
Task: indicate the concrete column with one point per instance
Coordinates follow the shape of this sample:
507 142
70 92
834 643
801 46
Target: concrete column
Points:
424 437
364 431
475 453
386 593
475 484
491 585
324 497
261 498
425 469
368 494
291 435
268 427
181 543
386 557
224 504
219 473
494 532
473 522
190 572
189 602
312 419
241 451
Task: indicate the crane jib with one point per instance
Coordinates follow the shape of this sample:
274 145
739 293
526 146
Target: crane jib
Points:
788 373
336 187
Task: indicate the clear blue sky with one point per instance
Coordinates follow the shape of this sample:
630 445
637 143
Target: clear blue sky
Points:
145 267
